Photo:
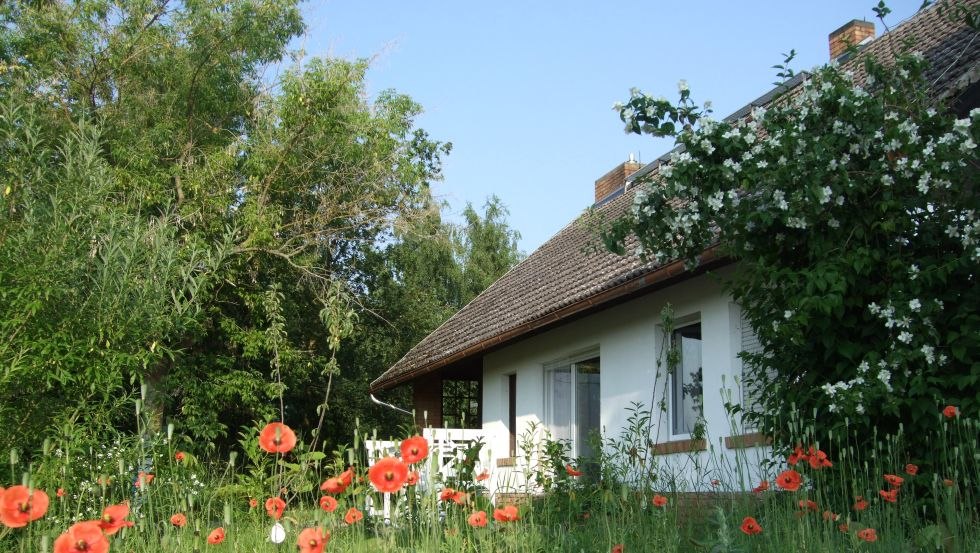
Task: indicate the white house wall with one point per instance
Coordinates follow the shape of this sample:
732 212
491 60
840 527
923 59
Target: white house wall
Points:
629 340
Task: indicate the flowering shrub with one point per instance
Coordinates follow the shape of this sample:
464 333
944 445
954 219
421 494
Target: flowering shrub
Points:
850 205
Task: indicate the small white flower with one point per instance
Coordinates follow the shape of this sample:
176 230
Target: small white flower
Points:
914 304
787 314
929 353
905 336
682 86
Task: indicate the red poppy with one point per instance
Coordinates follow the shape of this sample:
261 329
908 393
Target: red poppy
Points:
216 536
414 449
715 482
412 478
275 507
763 486
890 496
911 469
659 500
478 519
618 548
253 503
950 411
571 471
328 503
868 534
353 515
143 478
818 459
789 480
276 437
446 494
179 456
796 456
508 514
113 518
808 504
894 481
831 516
460 497
20 505
312 540
388 474
334 485
750 526
843 527
860 503
483 476
178 520
84 537
59 493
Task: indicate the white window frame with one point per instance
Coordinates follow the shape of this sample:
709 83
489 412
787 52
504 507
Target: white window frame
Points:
680 323
569 362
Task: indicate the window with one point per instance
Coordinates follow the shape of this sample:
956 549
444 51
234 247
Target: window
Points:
572 400
751 383
686 394
461 404
512 413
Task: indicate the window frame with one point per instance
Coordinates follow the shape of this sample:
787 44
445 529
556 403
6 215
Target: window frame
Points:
570 362
680 324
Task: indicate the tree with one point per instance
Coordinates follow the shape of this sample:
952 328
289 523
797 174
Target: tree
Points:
852 212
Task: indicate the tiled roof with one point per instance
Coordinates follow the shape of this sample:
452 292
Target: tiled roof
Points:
571 274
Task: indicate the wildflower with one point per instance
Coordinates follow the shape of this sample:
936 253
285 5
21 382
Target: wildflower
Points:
860 503
478 519
843 527
20 505
763 486
84 537
659 501
333 485
412 478
414 449
312 540
830 515
388 474
508 513
179 456
868 535
483 476
113 518
353 515
143 478
808 504
446 494
894 481
750 526
818 459
253 503
947 482
715 482
796 456
618 548
59 493
950 411
328 503
890 496
460 497
276 437
571 471
178 520
275 507
789 480
216 536
911 469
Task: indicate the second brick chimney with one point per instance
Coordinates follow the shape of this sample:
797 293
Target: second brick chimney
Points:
615 180
852 33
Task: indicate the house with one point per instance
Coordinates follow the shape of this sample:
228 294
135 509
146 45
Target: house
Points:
570 340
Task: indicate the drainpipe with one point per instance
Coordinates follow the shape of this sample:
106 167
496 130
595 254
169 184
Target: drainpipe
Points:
390 406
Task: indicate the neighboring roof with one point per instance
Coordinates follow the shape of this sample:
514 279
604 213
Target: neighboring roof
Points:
571 275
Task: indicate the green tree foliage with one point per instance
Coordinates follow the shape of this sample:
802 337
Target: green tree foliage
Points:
851 209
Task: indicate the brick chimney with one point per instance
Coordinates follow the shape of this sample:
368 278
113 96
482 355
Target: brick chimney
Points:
615 180
852 33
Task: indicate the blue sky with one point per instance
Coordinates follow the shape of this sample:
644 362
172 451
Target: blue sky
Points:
524 90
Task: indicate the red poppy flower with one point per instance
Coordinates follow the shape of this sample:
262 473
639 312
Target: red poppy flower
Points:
894 481
789 480
618 548
911 469
216 536
276 437
353 515
483 476
831 516
328 503
818 459
333 485
843 527
412 478
179 456
275 507
950 411
571 471
253 503
20 505
808 504
446 494
113 518
796 456
478 519
750 526
860 503
388 474
868 534
659 500
890 496
178 520
312 540
84 537
763 486
348 476
460 497
414 449
143 478
508 514
59 493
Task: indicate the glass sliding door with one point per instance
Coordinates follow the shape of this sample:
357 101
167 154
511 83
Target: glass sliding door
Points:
572 399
